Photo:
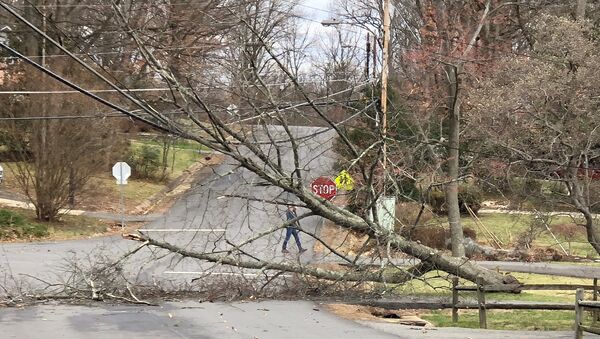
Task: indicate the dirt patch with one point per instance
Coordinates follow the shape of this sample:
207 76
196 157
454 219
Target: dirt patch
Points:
349 243
340 239
99 197
163 200
370 313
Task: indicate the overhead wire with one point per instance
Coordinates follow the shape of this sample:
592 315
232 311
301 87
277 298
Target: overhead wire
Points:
78 88
159 89
161 122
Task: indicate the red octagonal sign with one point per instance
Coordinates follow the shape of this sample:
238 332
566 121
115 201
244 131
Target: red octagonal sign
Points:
324 187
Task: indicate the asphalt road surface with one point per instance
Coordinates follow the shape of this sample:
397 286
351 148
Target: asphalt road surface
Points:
229 206
264 320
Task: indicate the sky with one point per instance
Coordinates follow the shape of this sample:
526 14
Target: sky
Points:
316 8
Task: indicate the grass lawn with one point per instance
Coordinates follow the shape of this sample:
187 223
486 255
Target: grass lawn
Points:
506 320
101 192
186 153
508 228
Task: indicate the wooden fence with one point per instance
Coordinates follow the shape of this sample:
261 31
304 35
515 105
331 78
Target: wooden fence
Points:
580 305
483 306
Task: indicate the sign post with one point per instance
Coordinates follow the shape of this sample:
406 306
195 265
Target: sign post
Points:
121 171
324 187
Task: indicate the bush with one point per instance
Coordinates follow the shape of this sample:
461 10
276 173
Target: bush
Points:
14 225
145 162
435 236
406 215
468 194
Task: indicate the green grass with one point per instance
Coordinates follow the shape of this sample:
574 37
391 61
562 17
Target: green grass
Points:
435 284
180 144
14 225
508 229
20 224
506 320
184 156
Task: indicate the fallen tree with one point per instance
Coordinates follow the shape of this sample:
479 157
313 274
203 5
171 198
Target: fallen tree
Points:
258 137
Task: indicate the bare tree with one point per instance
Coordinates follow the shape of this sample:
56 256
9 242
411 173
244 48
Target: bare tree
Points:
549 127
242 144
263 149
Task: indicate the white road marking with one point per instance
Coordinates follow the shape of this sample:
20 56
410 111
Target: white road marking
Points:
182 230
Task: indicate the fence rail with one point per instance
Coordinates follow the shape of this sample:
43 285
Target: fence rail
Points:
483 306
580 305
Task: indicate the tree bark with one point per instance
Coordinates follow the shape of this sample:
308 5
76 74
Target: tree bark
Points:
456 231
581 203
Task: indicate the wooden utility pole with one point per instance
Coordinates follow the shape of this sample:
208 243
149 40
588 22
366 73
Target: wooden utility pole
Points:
368 47
384 78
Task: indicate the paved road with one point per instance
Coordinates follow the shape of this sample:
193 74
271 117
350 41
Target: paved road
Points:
214 204
264 320
207 206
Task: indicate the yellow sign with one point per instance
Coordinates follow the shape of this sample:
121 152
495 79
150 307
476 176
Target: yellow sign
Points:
344 181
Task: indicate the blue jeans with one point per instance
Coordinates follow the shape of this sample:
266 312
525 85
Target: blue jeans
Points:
288 234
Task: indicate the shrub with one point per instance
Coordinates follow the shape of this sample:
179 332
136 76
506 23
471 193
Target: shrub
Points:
406 215
14 225
145 162
468 194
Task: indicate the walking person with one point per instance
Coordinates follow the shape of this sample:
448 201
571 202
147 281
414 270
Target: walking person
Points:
292 229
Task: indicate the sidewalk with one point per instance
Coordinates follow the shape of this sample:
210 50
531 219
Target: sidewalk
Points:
98 215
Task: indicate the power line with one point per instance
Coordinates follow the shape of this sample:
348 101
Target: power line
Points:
86 66
160 89
87 93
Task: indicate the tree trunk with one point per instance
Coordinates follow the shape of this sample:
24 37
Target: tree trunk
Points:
461 267
456 231
582 204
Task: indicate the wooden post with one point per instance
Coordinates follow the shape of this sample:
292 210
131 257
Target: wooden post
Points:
578 314
595 298
454 300
481 303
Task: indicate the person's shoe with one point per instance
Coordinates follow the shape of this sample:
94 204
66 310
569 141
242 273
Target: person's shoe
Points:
302 250
285 251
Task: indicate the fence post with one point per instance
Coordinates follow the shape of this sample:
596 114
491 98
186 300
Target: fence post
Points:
454 300
595 298
578 314
481 303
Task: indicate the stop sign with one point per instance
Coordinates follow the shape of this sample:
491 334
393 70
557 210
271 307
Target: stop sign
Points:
121 171
324 187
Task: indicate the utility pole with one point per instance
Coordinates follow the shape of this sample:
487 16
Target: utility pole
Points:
384 80
374 56
368 47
